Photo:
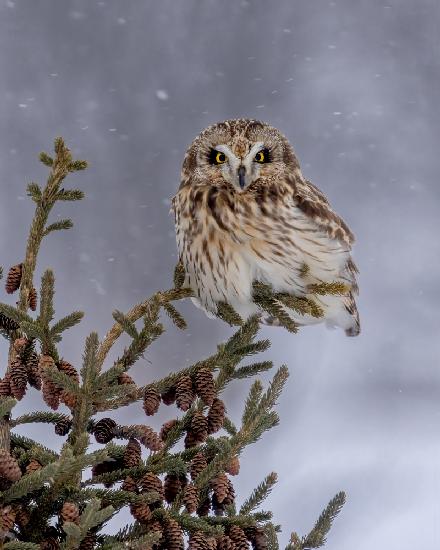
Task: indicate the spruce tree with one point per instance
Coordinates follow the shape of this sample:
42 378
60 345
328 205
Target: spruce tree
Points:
176 480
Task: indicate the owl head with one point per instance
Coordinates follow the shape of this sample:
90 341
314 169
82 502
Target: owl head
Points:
240 153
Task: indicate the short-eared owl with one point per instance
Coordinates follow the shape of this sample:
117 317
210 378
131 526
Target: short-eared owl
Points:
245 213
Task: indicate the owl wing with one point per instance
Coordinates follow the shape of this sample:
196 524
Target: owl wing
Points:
315 205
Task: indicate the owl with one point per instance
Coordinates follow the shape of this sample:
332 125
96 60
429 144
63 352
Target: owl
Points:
244 212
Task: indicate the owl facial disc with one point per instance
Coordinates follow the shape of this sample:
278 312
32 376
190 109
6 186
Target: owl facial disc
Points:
240 172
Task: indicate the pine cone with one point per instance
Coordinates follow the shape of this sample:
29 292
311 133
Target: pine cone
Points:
166 428
67 398
225 543
104 430
23 517
5 385
205 386
51 394
62 427
18 379
13 279
219 485
7 518
141 512
69 512
216 416
150 439
20 345
151 400
32 299
199 426
190 439
199 541
191 498
230 497
88 543
218 507
33 371
198 463
174 535
129 485
257 537
204 507
125 378
169 396
151 482
33 466
7 324
50 543
172 485
236 534
184 393
105 468
233 467
132 453
9 467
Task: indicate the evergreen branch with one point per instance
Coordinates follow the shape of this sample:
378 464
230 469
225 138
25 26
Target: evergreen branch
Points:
142 542
335 288
6 405
179 275
77 165
301 304
229 426
15 314
228 314
271 536
91 517
259 494
46 159
46 417
18 545
174 315
57 226
31 482
264 297
128 326
62 380
252 402
34 191
66 322
69 195
317 536
7 326
251 370
39 452
46 298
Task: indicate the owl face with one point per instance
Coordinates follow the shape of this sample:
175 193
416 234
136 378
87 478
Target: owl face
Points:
240 153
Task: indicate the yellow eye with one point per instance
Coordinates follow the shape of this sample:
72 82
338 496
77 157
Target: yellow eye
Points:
220 158
260 157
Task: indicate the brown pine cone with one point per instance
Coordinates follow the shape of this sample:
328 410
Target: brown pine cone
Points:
20 345
150 439
18 379
173 535
103 430
166 428
205 386
219 485
67 398
151 482
190 439
257 537
125 378
13 279
5 385
105 468
204 507
88 543
169 396
230 496
33 466
50 543
141 512
23 517
216 416
32 299
172 485
199 541
51 394
129 485
199 426
62 427
69 512
191 498
218 507
225 543
233 467
236 534
7 518
184 393
151 400
33 371
132 453
198 463
9 467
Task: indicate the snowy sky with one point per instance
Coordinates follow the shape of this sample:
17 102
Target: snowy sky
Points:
354 86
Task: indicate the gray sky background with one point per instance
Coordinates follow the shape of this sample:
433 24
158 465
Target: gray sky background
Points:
354 85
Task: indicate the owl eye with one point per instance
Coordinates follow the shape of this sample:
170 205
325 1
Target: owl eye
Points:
262 156
216 157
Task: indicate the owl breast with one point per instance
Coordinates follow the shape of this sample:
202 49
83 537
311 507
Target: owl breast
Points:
227 242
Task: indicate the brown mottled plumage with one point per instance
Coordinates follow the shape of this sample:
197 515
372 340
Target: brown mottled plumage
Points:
244 212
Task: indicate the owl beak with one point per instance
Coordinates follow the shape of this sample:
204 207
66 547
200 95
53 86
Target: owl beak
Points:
241 177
